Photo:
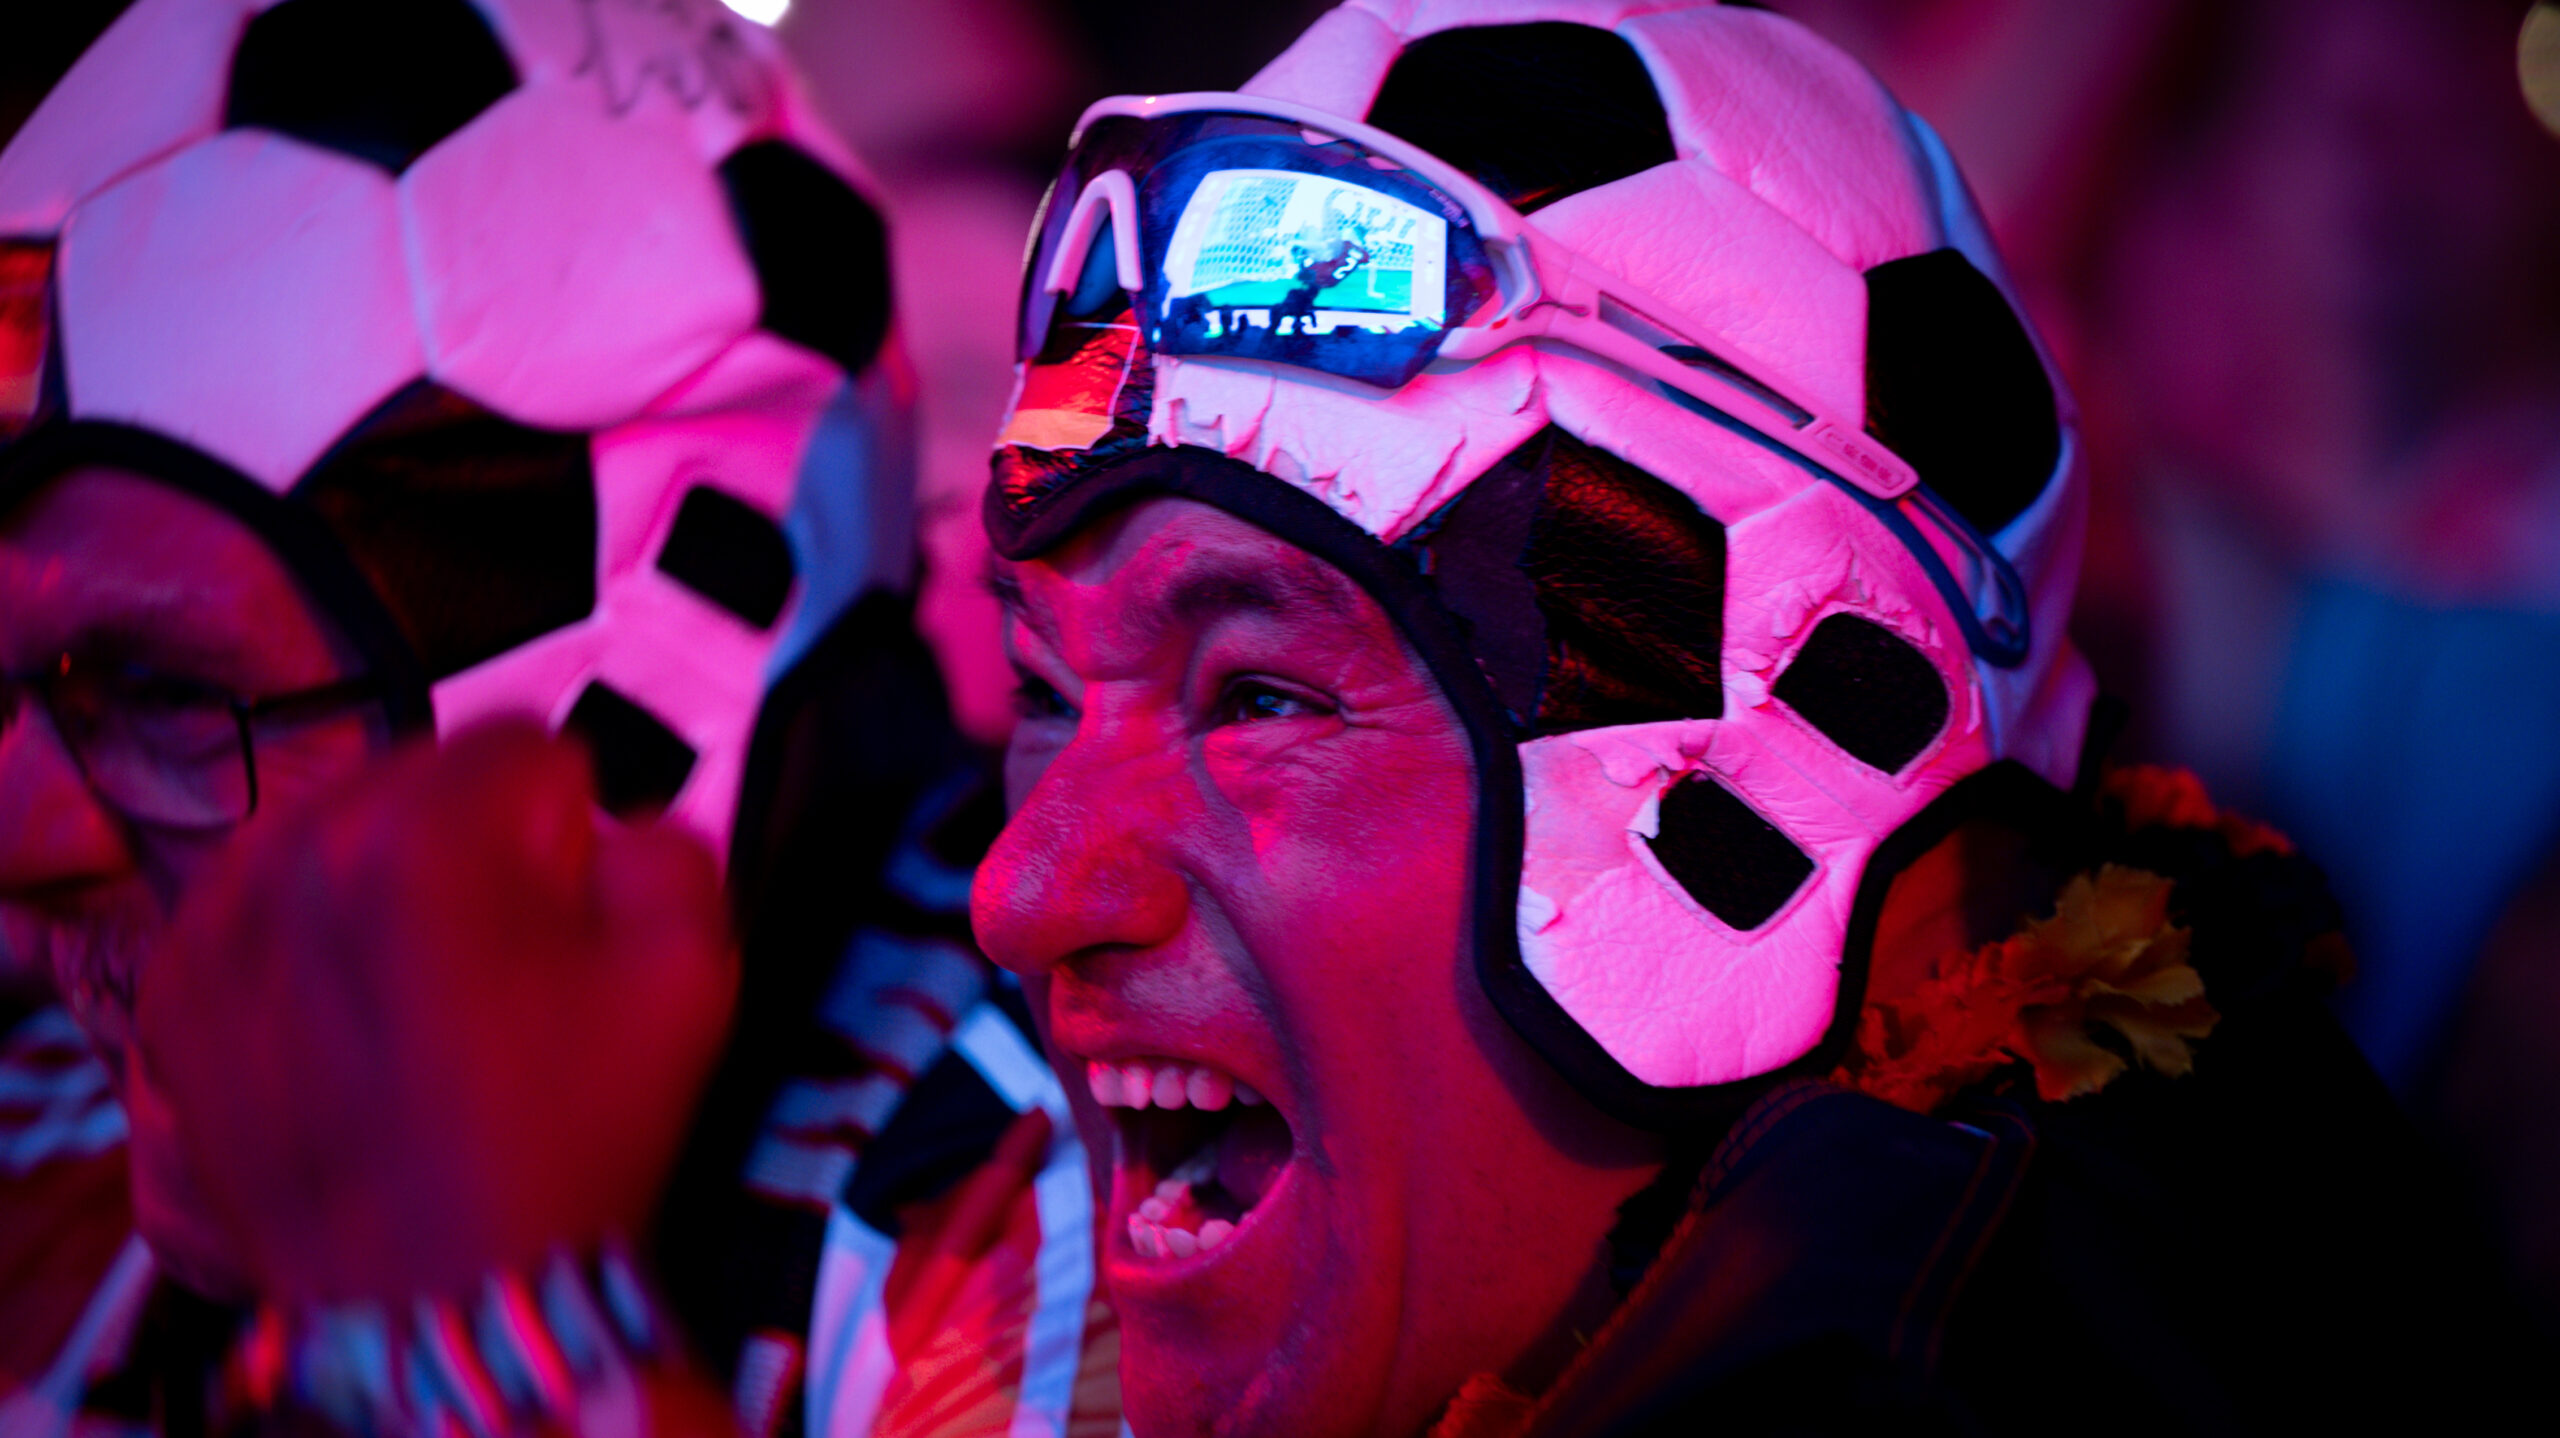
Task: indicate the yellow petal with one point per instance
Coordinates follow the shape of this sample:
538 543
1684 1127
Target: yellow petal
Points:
2068 1063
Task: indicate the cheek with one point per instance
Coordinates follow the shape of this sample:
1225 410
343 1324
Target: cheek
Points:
1364 804
1361 861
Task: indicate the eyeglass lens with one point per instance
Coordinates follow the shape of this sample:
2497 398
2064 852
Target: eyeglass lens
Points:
1263 240
159 751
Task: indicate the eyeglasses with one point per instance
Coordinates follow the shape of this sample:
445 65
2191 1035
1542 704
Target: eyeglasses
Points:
162 750
1250 228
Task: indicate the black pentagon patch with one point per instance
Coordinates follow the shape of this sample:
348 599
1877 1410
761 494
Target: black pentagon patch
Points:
1630 576
1592 592
479 533
1955 386
1537 111
821 253
1867 690
1733 862
640 763
727 551
382 80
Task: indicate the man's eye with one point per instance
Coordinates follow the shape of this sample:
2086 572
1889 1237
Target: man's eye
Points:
134 691
1037 698
1248 701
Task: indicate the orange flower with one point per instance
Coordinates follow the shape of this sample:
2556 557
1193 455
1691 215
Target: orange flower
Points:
2107 957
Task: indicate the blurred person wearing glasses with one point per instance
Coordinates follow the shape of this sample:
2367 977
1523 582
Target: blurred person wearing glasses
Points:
466 372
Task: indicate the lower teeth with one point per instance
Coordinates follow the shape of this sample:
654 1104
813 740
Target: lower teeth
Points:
1155 1239
1155 1230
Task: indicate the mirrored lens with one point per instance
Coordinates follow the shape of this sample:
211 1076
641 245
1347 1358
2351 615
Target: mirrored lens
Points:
1303 269
1261 239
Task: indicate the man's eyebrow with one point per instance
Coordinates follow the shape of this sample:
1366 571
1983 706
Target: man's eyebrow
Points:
1207 593
157 635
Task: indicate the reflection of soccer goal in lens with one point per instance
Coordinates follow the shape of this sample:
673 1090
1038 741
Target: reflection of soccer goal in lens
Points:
1283 250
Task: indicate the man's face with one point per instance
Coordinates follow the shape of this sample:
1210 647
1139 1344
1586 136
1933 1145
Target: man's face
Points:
109 568
1239 860
112 569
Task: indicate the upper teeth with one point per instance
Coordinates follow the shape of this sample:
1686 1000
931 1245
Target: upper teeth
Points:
1149 1084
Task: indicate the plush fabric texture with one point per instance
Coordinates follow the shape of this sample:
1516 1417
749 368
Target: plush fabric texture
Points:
820 251
729 553
640 763
478 532
491 287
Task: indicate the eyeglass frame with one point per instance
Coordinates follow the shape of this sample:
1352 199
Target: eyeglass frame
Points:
245 711
1549 290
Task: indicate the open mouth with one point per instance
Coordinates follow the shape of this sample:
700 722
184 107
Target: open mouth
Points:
1198 1150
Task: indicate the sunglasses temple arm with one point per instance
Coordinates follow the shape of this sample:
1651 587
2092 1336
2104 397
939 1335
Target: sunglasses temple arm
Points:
1881 480
1830 445
1548 293
2000 637
1992 577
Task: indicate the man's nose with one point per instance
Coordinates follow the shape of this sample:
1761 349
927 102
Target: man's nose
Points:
55 834
1090 859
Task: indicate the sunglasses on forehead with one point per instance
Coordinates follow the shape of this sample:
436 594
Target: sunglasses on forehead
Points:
1249 228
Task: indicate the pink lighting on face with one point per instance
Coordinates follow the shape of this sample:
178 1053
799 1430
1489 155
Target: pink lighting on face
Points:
1240 857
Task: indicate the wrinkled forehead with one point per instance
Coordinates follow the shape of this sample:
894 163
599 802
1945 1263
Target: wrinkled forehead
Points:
1134 577
98 555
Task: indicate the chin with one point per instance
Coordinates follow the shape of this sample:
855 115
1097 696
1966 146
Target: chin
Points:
169 1209
1248 1303
1174 1389
1281 1333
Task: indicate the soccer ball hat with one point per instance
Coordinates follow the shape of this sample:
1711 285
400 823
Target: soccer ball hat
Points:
1714 645
547 340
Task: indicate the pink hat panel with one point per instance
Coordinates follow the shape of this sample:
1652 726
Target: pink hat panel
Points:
1804 127
246 295
141 91
523 309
